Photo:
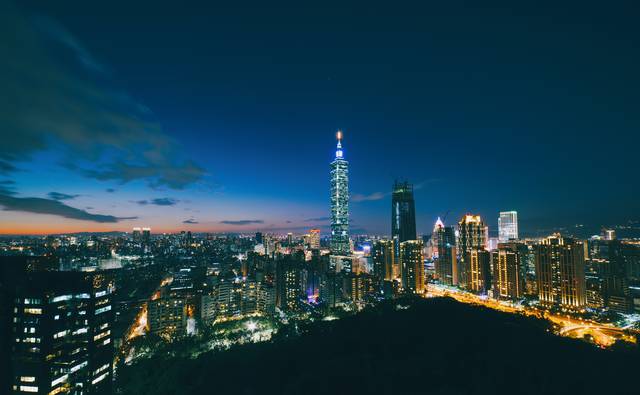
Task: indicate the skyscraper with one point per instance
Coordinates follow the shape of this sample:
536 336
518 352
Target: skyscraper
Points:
340 202
61 324
412 262
617 296
446 265
508 282
560 272
479 271
472 237
383 260
314 239
507 226
403 212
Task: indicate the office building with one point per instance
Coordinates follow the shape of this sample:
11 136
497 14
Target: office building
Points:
403 212
507 226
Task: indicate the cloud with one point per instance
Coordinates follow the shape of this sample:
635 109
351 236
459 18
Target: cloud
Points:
53 207
61 196
101 132
6 167
365 198
319 219
190 221
243 222
110 190
158 202
164 201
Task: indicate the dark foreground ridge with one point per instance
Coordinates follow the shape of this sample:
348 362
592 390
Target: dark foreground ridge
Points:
436 346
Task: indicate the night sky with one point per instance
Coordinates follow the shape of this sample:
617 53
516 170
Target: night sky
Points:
221 116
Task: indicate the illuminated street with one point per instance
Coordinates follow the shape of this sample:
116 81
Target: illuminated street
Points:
603 335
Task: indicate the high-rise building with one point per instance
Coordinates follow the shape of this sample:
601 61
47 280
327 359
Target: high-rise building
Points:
446 264
560 272
314 239
136 235
288 283
259 237
507 226
340 244
479 271
472 235
617 295
403 212
383 260
508 281
61 324
412 262
146 236
167 316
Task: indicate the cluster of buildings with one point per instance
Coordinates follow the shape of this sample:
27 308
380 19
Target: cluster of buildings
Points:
57 330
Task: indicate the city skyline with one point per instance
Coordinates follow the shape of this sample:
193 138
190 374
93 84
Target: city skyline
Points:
236 137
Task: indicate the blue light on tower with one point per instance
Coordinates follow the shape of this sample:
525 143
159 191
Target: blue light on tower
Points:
340 244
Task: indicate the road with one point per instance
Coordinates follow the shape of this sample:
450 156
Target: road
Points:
603 335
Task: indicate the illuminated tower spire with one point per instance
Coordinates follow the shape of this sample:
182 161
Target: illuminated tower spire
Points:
340 202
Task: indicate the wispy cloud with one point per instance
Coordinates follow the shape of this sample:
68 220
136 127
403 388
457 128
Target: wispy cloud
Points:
53 207
158 202
102 132
110 190
242 222
61 196
190 221
371 197
318 219
357 197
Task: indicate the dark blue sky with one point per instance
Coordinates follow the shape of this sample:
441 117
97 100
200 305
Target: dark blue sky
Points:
532 107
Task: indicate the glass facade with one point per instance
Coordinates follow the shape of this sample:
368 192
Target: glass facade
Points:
340 203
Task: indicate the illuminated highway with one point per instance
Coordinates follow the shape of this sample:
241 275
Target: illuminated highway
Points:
603 335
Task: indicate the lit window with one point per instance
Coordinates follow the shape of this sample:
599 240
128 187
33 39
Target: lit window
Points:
28 388
103 310
32 311
78 367
59 380
99 379
61 298
28 379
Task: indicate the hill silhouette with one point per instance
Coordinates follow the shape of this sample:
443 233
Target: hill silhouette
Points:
436 346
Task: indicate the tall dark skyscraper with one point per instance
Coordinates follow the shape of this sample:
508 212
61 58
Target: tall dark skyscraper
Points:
403 212
340 244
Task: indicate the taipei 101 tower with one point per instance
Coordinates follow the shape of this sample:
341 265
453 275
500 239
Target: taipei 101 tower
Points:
340 244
